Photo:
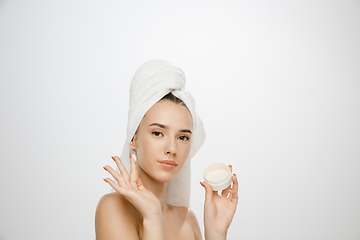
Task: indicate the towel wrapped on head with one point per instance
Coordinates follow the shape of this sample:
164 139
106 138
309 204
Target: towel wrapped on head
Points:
151 82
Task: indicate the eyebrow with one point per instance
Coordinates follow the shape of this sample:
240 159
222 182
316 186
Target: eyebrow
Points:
185 130
163 126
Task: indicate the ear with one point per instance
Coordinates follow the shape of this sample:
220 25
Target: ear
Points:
132 144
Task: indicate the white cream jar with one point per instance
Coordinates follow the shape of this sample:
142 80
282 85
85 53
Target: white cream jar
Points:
218 175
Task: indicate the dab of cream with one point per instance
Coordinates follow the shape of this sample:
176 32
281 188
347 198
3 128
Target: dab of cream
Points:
218 175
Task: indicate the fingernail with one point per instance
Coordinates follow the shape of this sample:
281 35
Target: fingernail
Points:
113 158
104 179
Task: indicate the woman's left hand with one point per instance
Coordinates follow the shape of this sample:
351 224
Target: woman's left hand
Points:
219 210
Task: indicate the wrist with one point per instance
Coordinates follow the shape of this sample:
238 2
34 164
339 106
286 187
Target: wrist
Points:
213 235
153 216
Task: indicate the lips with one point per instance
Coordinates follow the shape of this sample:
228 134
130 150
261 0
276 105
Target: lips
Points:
168 164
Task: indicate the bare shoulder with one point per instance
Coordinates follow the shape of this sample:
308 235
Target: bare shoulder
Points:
190 219
115 218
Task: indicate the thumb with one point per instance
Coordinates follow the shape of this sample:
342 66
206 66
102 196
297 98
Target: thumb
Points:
208 191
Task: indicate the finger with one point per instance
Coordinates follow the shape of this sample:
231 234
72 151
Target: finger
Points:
116 187
115 175
234 190
133 172
231 169
122 169
225 192
139 184
208 191
235 183
233 196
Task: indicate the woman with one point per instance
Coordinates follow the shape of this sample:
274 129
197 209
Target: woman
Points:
152 194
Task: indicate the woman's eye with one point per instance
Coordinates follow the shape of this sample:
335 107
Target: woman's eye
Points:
184 138
157 133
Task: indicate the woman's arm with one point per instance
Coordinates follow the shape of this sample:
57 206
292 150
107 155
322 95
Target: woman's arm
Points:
111 215
219 210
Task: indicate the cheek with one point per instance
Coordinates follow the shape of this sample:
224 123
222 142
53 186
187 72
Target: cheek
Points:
145 145
145 149
184 151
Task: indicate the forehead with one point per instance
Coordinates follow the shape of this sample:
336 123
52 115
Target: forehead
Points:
170 114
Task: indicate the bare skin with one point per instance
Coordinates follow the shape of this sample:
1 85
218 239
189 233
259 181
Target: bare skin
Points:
138 209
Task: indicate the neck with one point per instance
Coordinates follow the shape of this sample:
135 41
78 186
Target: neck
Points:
159 189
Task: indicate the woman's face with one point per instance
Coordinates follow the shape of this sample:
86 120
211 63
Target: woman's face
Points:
163 140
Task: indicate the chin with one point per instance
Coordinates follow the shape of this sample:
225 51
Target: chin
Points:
165 177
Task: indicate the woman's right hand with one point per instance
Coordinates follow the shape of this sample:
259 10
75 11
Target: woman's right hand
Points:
131 187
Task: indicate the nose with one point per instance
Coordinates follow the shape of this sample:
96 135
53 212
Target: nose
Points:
171 147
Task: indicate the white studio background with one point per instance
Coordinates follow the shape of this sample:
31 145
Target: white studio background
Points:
277 85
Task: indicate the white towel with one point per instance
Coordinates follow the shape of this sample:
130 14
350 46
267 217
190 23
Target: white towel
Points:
152 81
